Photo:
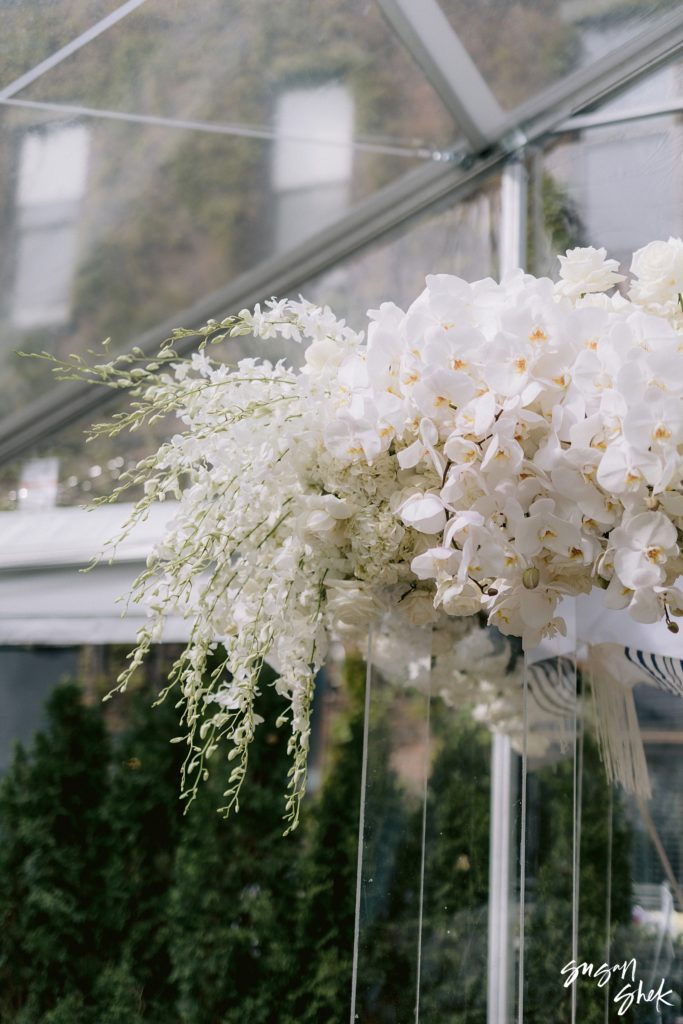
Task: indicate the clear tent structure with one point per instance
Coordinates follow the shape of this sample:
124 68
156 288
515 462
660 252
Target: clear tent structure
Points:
165 163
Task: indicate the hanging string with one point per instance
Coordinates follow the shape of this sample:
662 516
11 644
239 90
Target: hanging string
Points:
425 768
522 855
361 827
616 718
576 840
608 901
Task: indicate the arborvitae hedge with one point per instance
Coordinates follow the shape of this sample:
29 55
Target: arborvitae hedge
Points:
116 909
54 852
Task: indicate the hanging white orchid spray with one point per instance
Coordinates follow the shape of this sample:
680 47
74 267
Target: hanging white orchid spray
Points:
493 449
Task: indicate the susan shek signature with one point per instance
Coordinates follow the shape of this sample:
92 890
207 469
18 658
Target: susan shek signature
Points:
630 993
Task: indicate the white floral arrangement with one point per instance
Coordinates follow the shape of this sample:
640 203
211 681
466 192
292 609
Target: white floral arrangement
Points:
491 450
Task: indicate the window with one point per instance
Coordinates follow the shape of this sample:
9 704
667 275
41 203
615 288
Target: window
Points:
52 177
312 161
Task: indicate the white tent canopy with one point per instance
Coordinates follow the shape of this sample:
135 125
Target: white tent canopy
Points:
47 599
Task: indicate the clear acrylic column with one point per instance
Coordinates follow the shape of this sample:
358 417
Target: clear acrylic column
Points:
548 843
470 830
396 765
426 859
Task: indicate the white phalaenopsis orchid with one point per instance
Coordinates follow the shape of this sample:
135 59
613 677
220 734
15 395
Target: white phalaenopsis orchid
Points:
493 449
642 547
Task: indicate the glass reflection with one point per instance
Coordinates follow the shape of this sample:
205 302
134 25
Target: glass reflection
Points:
426 863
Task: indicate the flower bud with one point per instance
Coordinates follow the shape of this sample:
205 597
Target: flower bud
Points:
531 578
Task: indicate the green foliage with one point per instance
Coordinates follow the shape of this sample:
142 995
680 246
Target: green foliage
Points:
143 817
554 220
52 858
457 874
326 898
454 910
548 928
453 977
231 900
116 909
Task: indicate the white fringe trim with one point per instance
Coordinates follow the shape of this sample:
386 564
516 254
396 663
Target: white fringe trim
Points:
618 731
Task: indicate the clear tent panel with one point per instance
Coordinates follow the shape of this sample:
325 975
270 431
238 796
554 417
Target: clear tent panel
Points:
127 197
112 227
461 238
537 43
662 88
619 186
351 104
33 30
502 862
253 67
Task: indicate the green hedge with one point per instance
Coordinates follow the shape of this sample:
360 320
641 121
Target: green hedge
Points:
117 909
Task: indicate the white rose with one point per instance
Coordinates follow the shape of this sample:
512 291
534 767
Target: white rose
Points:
658 269
418 608
350 604
585 270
